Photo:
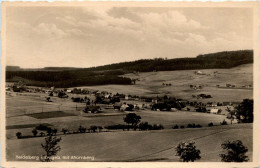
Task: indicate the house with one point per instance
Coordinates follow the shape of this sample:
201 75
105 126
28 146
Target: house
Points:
139 106
198 73
48 91
107 96
214 111
155 100
174 109
126 97
123 107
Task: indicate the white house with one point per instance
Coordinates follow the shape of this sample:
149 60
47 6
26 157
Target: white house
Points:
214 111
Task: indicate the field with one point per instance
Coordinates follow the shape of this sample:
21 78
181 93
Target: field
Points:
150 84
24 111
138 145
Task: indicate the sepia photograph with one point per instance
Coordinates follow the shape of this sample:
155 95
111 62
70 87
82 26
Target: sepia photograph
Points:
129 82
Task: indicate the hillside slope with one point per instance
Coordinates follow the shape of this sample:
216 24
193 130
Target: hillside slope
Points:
151 84
109 74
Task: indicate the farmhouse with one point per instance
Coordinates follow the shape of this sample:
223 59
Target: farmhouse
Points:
214 111
124 107
198 73
138 106
69 91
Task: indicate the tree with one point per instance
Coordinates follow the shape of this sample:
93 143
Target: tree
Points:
50 147
54 131
82 129
235 152
35 132
187 151
49 131
93 128
100 128
64 130
244 111
133 119
231 114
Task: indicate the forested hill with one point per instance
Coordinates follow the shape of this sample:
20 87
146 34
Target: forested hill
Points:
226 59
109 74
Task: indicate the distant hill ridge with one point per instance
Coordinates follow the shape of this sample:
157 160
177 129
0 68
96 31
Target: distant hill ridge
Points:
109 74
225 59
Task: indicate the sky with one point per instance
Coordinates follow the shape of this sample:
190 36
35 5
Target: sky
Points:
39 37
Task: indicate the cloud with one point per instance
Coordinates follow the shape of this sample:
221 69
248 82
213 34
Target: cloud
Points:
114 35
49 30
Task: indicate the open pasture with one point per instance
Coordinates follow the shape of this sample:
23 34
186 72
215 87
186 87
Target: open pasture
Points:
71 118
151 84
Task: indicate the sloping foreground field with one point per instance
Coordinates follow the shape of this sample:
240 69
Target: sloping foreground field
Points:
150 84
137 145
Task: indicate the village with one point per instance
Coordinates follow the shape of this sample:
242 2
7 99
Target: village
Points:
94 99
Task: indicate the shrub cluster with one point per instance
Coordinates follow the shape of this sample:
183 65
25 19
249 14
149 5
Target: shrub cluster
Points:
194 126
223 122
188 126
210 124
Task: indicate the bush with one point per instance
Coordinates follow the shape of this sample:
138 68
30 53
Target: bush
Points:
54 131
158 127
210 124
198 126
93 128
175 126
118 126
35 132
235 152
82 129
191 125
204 110
49 131
64 130
18 135
181 126
100 128
145 126
223 122
187 151
42 134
